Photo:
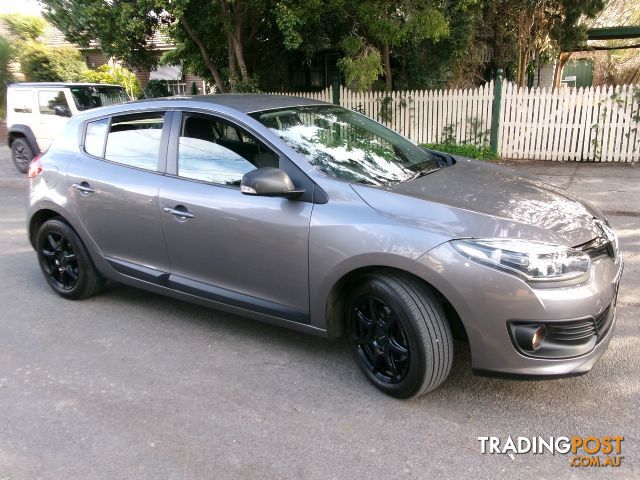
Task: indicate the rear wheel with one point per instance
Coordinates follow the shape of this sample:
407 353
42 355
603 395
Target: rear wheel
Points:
398 333
65 262
22 154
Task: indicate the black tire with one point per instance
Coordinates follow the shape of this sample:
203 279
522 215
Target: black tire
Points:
404 313
21 154
65 261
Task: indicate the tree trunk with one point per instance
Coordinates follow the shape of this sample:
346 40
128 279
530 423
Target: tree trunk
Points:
387 67
237 47
233 71
563 57
205 55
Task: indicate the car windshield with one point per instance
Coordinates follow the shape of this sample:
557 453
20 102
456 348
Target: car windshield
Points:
349 146
90 96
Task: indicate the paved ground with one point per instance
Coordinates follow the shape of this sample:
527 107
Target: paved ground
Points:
133 385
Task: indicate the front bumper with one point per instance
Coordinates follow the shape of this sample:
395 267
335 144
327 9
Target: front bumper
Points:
487 300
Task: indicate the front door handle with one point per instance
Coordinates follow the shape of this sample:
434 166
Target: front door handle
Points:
84 188
180 212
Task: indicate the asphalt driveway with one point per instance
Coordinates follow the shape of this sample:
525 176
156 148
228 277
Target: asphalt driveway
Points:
130 384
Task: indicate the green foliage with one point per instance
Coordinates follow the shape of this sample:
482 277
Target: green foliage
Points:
155 88
7 53
26 27
114 75
250 85
362 66
122 27
41 63
465 150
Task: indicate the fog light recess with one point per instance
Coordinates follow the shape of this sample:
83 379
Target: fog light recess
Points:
530 337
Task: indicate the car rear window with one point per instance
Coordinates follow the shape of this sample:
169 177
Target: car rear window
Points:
94 96
135 140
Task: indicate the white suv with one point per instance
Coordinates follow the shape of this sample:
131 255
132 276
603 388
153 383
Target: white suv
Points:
37 112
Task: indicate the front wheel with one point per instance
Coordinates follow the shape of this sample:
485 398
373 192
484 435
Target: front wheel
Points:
22 154
65 261
398 333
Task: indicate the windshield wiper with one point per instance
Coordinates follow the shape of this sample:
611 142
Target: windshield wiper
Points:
422 173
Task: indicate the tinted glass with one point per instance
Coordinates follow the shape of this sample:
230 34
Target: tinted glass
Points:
347 145
206 153
94 137
87 97
52 102
135 140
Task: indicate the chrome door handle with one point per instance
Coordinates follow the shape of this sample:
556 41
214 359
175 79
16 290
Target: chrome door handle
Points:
84 188
180 213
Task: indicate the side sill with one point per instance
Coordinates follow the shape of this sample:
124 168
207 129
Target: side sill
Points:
208 292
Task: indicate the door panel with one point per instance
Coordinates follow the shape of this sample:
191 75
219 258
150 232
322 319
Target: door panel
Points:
256 246
121 215
117 200
251 250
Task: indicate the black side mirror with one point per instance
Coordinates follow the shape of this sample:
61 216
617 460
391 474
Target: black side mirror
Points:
269 182
61 111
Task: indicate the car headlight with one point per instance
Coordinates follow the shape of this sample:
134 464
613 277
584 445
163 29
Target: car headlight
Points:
535 261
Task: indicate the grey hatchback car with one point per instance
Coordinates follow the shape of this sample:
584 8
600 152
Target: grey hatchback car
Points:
311 216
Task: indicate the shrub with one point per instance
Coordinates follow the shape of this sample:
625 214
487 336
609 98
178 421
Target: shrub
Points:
155 88
465 150
6 75
114 75
41 63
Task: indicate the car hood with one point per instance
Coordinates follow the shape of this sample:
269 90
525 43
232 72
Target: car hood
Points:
478 199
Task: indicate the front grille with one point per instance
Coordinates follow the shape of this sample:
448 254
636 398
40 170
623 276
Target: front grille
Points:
571 331
597 248
581 330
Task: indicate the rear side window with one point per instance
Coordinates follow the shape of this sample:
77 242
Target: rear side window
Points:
22 100
53 103
134 140
95 136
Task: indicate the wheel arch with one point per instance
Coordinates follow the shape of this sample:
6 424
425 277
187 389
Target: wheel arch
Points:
22 131
336 300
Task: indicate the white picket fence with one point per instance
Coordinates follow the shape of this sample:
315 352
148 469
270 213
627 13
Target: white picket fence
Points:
585 124
588 124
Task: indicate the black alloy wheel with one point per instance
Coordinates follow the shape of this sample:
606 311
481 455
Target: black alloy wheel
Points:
60 262
398 332
379 339
65 262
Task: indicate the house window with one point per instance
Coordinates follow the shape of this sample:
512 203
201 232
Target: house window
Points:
175 87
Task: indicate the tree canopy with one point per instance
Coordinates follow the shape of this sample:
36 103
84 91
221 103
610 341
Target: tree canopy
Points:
384 44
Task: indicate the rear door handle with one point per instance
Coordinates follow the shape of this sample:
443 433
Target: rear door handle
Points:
180 212
84 188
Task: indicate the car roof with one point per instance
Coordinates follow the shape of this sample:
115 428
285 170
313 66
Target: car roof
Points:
242 102
60 85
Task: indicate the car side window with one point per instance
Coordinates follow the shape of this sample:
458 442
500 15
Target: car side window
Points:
207 153
134 140
53 103
22 101
94 137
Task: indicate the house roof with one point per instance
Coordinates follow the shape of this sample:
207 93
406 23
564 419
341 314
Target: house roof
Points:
55 38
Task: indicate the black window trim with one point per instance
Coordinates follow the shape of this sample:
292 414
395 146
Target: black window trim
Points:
313 192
